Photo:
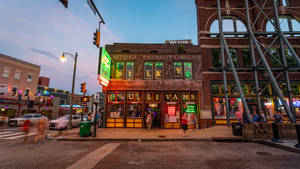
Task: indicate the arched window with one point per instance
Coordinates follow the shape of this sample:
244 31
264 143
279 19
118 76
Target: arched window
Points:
287 24
230 24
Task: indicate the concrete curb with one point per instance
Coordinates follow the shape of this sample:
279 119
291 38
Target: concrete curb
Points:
137 139
212 139
294 150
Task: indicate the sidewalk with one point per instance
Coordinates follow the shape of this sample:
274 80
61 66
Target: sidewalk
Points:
122 134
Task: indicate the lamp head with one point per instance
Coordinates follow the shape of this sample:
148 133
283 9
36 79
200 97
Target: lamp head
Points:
63 58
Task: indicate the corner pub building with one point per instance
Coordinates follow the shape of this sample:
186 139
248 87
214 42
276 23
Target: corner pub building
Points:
177 76
164 79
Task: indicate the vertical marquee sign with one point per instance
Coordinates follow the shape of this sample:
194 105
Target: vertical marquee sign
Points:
104 67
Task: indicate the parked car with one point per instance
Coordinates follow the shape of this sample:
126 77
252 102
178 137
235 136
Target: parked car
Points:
62 122
33 118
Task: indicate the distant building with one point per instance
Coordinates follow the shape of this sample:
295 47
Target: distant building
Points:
44 81
17 77
61 94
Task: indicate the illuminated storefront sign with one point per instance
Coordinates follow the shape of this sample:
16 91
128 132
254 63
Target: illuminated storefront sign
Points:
104 72
191 108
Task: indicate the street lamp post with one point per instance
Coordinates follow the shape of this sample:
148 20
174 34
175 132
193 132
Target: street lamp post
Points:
63 59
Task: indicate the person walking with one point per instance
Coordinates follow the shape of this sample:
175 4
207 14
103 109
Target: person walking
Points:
149 121
184 124
25 129
42 128
3 121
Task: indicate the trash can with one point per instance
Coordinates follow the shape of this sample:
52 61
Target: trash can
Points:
85 129
237 129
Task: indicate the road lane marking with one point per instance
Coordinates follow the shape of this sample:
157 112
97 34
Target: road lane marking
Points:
11 134
10 138
91 159
5 132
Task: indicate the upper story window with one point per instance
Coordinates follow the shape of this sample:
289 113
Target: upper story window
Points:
29 78
129 70
119 70
156 67
183 70
17 75
287 24
5 73
230 24
217 62
148 70
246 54
285 2
122 68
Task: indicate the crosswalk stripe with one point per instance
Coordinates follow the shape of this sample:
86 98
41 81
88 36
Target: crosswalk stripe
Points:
11 134
5 132
10 138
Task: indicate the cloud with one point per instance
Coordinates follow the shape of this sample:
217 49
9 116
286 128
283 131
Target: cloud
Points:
48 33
48 54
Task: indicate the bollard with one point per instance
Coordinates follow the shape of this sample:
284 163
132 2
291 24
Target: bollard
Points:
298 135
275 138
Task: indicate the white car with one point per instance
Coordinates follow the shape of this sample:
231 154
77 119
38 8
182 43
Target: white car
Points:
33 118
62 122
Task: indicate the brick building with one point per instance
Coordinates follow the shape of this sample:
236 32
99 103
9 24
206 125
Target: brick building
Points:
18 77
235 20
134 87
163 79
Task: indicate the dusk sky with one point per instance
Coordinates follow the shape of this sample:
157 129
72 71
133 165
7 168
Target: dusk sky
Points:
38 31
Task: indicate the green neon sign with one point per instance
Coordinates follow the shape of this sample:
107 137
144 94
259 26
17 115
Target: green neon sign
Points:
191 108
105 64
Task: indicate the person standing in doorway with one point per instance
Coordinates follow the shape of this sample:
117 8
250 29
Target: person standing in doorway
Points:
184 124
149 121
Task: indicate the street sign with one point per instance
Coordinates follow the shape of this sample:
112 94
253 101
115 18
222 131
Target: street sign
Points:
104 68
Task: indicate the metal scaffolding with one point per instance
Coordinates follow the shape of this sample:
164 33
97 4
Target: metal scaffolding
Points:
260 65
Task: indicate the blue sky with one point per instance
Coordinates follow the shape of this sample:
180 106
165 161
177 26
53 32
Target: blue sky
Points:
38 31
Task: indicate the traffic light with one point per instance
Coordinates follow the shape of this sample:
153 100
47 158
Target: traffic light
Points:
96 41
64 2
83 88
85 99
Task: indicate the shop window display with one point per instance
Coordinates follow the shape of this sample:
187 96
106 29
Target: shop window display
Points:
134 111
172 114
220 110
115 110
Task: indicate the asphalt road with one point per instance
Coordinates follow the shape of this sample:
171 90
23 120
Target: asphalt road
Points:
14 154
204 155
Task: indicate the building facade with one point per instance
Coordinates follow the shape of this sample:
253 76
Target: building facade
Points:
18 88
162 79
234 22
18 77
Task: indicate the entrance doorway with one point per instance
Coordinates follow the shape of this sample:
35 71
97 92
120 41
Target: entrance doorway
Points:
155 110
